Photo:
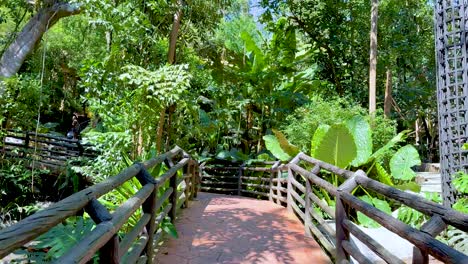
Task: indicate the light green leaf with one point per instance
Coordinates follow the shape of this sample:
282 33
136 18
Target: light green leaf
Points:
461 205
169 228
402 161
381 205
363 219
377 203
361 132
380 153
460 181
272 144
337 147
319 134
383 175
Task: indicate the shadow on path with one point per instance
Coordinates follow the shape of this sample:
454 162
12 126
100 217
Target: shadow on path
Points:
232 229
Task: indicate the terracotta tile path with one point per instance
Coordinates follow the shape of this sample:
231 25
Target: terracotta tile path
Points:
231 229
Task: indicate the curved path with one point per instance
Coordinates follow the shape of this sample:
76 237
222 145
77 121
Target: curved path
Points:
231 229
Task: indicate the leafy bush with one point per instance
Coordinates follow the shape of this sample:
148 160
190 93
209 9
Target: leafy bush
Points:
304 122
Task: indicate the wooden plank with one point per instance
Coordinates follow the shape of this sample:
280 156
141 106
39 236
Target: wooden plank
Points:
371 243
308 208
257 169
256 178
330 232
281 199
149 207
239 180
15 236
289 198
160 159
173 184
352 250
130 237
163 198
298 198
219 177
170 172
99 214
298 211
420 239
314 179
272 173
134 253
450 216
85 249
338 171
433 227
322 205
256 185
281 189
323 240
222 168
298 185
281 180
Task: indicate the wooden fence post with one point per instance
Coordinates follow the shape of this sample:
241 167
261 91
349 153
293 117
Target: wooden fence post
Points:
26 140
308 204
278 187
109 253
186 173
289 198
149 207
308 207
433 227
342 234
239 180
199 174
173 197
274 169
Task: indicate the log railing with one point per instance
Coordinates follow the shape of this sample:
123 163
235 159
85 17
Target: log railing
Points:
136 245
300 190
48 151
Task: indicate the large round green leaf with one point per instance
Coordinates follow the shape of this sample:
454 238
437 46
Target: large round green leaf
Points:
361 132
319 134
337 147
402 161
273 145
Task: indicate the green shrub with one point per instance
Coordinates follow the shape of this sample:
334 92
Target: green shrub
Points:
302 124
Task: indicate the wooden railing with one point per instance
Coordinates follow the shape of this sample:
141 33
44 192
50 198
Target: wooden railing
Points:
298 192
259 180
48 151
136 245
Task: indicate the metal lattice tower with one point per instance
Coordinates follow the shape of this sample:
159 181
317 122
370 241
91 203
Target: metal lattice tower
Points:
452 89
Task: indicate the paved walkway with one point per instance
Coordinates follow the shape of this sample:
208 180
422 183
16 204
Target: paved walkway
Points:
231 229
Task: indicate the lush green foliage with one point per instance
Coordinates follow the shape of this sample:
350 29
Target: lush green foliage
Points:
302 69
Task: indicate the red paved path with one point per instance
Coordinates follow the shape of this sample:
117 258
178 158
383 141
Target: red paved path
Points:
232 229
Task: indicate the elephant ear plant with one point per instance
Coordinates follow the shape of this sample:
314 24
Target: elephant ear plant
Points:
349 145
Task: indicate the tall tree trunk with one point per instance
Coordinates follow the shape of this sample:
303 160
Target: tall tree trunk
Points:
373 56
388 94
171 59
171 55
27 39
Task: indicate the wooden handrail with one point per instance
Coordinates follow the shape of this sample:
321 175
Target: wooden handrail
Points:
104 237
300 199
